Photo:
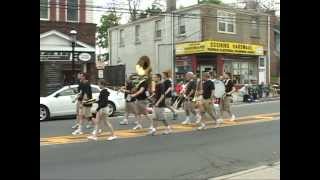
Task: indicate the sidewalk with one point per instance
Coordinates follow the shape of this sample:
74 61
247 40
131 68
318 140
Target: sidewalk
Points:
260 173
239 100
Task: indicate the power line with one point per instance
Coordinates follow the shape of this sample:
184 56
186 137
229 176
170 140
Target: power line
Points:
186 15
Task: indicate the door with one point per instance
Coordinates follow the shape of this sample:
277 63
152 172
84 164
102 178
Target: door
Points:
262 69
206 68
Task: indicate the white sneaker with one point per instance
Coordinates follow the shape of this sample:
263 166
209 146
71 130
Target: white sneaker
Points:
151 127
93 137
75 126
89 126
138 126
167 131
219 121
202 127
77 132
152 132
187 121
233 117
112 138
198 119
95 132
124 122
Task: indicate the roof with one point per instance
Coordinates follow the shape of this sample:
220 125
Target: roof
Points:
196 6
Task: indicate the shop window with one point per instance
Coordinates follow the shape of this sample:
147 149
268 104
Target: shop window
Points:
72 10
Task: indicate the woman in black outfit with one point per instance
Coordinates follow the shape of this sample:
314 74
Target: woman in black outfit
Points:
101 112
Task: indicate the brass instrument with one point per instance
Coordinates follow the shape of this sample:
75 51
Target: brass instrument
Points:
197 96
143 69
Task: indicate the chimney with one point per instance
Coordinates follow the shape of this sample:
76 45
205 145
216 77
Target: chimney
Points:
171 5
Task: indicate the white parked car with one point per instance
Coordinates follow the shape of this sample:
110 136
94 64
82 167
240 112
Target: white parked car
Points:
60 102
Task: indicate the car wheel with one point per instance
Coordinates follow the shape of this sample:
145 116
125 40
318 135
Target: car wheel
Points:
44 113
111 108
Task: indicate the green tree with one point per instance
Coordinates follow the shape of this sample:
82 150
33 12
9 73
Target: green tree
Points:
107 21
210 2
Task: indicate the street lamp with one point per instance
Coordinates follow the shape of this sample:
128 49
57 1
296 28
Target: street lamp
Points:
73 34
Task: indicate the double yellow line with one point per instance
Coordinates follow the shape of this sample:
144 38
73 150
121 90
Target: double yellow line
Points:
176 128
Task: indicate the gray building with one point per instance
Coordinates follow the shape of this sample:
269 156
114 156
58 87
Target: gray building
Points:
214 38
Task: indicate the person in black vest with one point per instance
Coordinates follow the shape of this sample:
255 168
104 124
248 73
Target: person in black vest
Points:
102 113
168 94
206 105
160 105
140 94
84 110
189 105
225 102
77 102
130 105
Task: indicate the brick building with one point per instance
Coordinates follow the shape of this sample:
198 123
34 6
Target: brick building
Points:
214 38
57 19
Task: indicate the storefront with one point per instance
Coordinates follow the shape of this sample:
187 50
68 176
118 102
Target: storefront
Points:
217 57
56 61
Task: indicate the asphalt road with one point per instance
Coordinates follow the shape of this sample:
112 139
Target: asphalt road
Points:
187 155
63 126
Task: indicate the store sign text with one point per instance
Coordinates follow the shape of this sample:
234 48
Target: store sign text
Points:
219 47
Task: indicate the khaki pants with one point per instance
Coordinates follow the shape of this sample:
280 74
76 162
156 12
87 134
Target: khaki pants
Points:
84 111
159 115
189 106
131 107
141 106
206 106
225 104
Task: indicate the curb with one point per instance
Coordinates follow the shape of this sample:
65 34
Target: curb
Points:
225 177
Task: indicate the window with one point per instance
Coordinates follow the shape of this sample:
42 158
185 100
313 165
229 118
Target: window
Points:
262 62
44 9
68 92
121 37
158 29
95 90
72 10
181 25
277 36
226 22
137 34
255 27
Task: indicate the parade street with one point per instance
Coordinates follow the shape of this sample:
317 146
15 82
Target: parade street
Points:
252 140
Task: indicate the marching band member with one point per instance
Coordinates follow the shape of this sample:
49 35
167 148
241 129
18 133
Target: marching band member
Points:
159 96
205 106
141 103
225 101
84 110
101 113
130 105
189 106
168 94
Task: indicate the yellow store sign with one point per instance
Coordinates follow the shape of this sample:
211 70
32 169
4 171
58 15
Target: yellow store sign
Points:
218 47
